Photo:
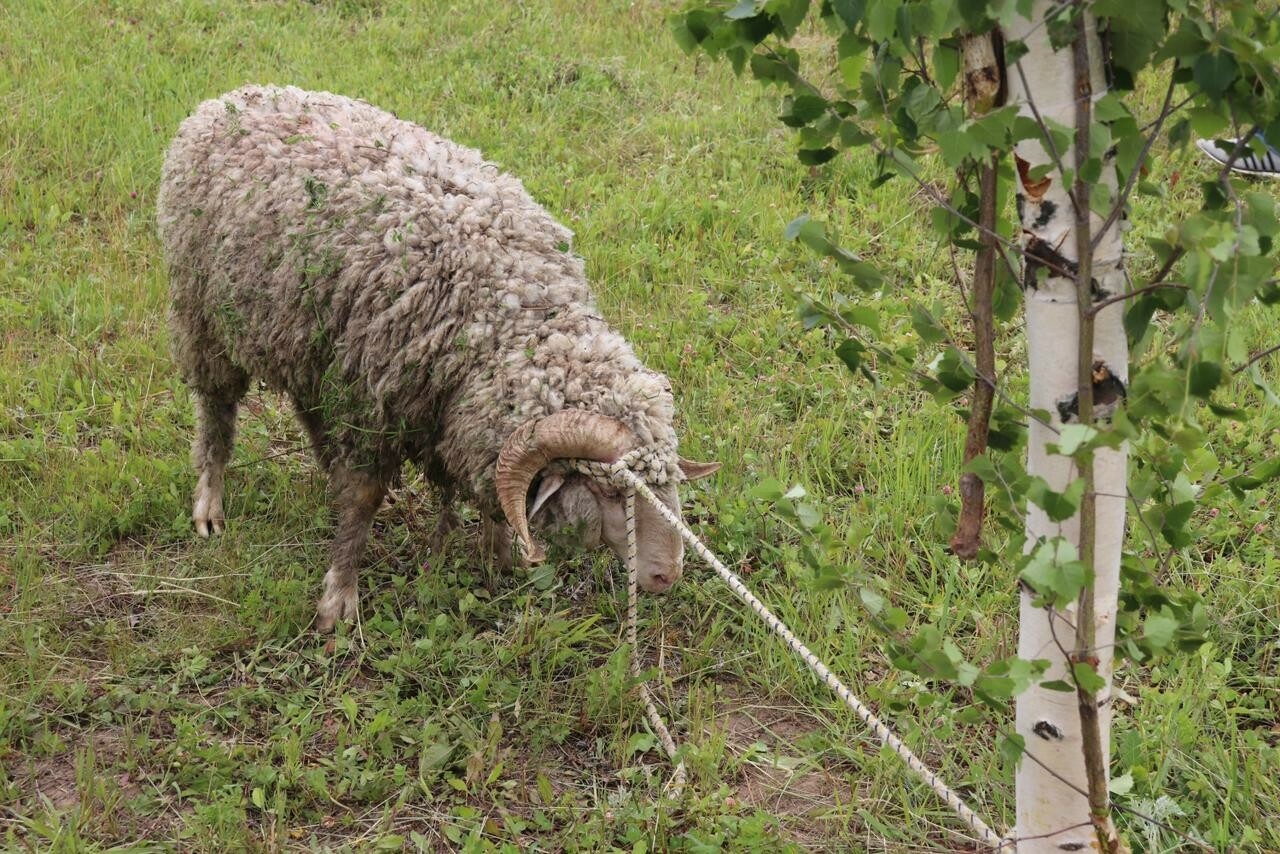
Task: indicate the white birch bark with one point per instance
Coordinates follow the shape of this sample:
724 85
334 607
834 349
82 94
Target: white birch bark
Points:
1052 813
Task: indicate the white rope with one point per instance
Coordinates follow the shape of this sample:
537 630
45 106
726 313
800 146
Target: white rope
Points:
620 475
675 786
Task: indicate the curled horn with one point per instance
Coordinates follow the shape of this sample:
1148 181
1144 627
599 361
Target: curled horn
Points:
569 434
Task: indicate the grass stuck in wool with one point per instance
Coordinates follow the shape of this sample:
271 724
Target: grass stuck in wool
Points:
160 690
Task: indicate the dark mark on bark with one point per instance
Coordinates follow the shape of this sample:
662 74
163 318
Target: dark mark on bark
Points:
1039 255
1047 209
1047 731
1108 394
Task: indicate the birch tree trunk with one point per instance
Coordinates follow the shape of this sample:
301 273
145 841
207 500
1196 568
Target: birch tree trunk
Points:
1053 812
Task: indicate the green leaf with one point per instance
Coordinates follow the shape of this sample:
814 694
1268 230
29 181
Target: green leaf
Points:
813 234
1058 506
1073 437
895 619
850 12
880 18
780 67
1087 678
862 315
808 515
768 489
1135 28
684 36
1214 73
995 129
1174 526
828 577
800 110
1137 319
816 156
641 742
1006 431
957 146
1110 107
1007 299
850 352
544 576
1019 673
808 231
1058 685
1160 628
982 466
745 9
1012 746
1207 122
1014 50
1264 473
946 65
954 371
434 756
1203 378
851 70
1054 571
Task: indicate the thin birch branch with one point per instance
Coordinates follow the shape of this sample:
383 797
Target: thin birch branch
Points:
967 540
1255 358
1095 761
1159 286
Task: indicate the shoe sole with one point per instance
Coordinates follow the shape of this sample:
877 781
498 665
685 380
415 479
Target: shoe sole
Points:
1236 167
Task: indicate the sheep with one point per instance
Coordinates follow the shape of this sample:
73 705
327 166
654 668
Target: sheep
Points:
414 303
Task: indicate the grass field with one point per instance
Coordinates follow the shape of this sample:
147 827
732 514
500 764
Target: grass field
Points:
161 692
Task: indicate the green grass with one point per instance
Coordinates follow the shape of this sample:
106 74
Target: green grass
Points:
156 690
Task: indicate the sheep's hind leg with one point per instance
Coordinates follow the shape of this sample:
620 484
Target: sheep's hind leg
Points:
358 495
215 435
319 434
447 521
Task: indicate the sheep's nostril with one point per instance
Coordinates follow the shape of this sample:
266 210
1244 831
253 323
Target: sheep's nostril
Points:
659 581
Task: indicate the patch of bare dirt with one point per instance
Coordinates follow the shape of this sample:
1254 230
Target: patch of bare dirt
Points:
54 778
776 774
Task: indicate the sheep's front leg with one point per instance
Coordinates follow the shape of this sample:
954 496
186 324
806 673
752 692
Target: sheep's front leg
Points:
358 496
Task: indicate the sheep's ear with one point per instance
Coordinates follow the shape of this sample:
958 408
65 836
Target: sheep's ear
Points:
697 471
547 487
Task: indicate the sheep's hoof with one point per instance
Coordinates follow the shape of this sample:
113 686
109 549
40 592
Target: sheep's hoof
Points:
338 604
206 525
207 512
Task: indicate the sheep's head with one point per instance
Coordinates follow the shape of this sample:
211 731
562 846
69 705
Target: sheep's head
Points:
579 508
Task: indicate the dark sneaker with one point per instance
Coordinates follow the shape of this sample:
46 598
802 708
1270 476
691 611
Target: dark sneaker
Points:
1266 165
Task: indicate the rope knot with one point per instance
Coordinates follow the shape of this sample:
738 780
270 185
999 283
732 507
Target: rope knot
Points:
654 464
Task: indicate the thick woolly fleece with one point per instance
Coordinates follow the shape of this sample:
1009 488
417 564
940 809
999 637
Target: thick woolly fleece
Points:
413 300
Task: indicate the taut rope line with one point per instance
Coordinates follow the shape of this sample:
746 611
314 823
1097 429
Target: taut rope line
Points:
620 475
675 786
